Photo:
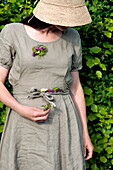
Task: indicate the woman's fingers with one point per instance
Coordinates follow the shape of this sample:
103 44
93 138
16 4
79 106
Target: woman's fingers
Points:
33 113
88 147
40 110
89 154
40 118
84 151
39 114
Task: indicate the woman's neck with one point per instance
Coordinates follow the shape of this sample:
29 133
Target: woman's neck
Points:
43 35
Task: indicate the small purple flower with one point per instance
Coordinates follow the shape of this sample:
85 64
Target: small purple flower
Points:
50 90
33 54
41 48
59 90
37 48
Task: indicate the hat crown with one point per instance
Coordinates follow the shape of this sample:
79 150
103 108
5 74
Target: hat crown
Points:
69 13
74 3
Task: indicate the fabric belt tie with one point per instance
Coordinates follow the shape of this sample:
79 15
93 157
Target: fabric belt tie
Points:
35 93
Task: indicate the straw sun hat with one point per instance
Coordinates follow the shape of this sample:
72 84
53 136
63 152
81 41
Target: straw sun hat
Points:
62 12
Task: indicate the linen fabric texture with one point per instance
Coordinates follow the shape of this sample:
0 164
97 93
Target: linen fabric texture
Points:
54 144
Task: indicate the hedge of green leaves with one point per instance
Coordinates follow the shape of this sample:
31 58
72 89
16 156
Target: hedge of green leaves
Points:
96 76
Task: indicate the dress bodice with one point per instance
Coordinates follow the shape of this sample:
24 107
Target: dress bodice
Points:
51 70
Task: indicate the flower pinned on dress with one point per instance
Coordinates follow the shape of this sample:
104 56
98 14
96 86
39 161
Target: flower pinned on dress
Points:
39 50
54 89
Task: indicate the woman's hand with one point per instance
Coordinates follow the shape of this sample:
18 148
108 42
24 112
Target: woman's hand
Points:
88 147
33 113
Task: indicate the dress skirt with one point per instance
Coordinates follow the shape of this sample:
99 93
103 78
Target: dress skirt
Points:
54 144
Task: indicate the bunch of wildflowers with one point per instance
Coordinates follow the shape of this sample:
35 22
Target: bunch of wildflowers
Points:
39 50
54 89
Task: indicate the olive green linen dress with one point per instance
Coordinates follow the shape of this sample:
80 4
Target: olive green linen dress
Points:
54 144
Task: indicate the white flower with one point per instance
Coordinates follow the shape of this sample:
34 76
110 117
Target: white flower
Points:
44 89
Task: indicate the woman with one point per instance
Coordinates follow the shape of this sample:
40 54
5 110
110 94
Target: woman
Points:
46 124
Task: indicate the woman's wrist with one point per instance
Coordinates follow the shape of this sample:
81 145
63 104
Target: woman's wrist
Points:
17 106
85 131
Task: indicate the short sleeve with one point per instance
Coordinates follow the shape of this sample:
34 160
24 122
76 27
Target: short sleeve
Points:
6 48
77 53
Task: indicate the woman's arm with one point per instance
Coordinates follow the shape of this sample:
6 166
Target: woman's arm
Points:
32 113
77 95
5 96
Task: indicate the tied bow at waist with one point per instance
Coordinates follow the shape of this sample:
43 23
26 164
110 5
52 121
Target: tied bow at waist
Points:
35 93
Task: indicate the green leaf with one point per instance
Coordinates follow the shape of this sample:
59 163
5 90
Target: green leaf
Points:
109 150
1 104
99 74
87 90
12 1
41 53
1 128
89 101
108 52
103 159
111 140
91 117
103 66
94 167
94 108
95 49
106 45
110 28
98 136
102 141
98 149
55 88
96 61
3 118
90 63
110 121
112 161
107 33
109 156
111 14
47 106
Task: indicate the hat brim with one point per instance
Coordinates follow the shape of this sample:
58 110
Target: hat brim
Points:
63 16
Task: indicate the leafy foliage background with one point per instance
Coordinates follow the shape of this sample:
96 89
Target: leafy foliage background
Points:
96 75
